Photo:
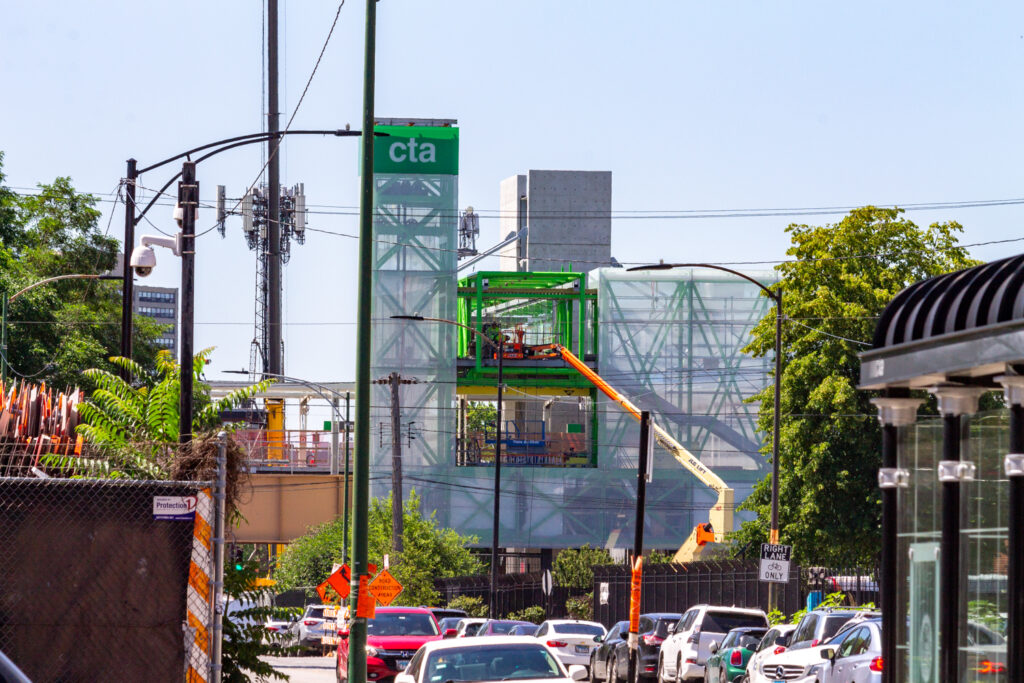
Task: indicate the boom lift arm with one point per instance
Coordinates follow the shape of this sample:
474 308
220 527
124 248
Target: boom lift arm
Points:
721 512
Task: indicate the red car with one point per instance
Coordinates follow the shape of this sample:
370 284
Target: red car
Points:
392 638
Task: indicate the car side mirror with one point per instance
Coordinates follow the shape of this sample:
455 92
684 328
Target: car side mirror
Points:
713 648
404 678
671 628
577 672
598 639
449 633
827 653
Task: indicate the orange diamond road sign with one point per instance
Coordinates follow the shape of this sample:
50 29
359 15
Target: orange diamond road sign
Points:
339 581
385 588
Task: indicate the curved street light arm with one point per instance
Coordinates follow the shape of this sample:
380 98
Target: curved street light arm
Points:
668 266
449 322
62 277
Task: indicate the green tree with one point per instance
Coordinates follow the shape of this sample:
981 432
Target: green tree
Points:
57 330
429 552
839 280
472 605
132 431
480 416
573 567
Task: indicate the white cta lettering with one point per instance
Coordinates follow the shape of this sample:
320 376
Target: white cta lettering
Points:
421 153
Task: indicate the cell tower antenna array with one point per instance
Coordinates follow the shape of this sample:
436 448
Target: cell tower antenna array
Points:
255 209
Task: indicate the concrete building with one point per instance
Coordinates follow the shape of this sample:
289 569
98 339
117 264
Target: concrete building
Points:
160 304
568 216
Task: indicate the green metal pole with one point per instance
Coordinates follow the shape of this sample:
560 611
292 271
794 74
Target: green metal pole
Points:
361 493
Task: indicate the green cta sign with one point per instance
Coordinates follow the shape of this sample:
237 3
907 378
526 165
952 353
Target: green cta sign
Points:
412 149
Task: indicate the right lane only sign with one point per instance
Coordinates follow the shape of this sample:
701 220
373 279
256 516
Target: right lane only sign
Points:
775 562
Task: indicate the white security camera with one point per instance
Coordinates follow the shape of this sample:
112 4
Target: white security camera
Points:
144 258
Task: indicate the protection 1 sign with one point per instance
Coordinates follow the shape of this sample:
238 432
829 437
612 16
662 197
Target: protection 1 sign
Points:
775 562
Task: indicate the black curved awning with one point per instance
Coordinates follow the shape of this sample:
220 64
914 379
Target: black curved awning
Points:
967 324
988 294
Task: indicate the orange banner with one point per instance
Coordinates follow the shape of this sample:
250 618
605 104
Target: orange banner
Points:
366 604
634 595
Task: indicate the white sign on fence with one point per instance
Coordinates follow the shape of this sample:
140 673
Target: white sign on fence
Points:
775 562
174 508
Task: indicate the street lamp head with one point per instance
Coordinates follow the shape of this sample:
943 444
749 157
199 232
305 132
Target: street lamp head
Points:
653 266
407 317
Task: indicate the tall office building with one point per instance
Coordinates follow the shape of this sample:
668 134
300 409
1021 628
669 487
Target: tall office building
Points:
160 304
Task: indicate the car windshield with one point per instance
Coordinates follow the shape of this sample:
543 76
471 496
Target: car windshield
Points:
661 628
401 624
749 641
581 629
519 661
501 627
315 612
723 622
833 624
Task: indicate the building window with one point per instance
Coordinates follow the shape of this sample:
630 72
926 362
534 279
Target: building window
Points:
165 343
156 311
158 297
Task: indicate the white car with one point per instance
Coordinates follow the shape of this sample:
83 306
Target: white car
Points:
803 665
773 643
571 639
468 627
486 659
685 652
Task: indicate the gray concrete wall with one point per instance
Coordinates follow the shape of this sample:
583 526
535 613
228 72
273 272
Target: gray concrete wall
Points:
569 217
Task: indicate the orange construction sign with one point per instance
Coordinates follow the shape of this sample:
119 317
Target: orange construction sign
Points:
634 595
366 605
385 588
340 581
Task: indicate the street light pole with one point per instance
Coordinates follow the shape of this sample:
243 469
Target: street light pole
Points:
495 532
776 297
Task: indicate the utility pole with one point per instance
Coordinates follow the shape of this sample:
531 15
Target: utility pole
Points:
395 380
188 200
274 353
638 536
364 322
128 282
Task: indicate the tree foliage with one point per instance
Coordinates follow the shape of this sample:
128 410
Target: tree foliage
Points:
472 605
132 430
573 567
57 330
429 552
839 280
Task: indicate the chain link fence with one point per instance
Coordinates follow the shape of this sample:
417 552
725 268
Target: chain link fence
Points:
106 580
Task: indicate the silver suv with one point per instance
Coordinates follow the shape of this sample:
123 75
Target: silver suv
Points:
817 626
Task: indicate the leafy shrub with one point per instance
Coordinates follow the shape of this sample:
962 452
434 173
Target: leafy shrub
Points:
534 615
581 606
473 606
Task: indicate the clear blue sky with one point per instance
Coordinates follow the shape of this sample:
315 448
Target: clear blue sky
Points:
690 105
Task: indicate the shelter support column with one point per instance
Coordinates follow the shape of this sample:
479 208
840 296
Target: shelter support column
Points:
895 410
954 403
1013 390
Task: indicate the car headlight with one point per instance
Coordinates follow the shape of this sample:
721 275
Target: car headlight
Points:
371 651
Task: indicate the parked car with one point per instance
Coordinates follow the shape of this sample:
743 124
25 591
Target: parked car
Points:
796 664
985 654
570 639
499 627
468 626
856 657
308 631
498 658
449 626
392 638
685 652
652 631
775 642
728 660
447 612
525 629
817 626
604 651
